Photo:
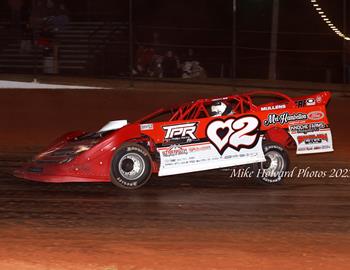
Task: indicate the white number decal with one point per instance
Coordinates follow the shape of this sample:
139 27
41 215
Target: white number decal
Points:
237 133
243 127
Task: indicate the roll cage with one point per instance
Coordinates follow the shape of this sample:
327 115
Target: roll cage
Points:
241 103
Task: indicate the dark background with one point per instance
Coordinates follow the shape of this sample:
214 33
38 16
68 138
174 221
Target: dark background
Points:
307 48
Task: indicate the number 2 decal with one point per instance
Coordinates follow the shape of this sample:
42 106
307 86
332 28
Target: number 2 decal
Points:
236 133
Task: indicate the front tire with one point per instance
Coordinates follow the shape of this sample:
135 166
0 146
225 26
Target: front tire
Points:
131 166
273 170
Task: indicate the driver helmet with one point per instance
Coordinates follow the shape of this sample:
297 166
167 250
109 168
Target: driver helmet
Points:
220 108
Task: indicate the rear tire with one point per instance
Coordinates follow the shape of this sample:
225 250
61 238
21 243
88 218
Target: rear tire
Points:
272 171
131 166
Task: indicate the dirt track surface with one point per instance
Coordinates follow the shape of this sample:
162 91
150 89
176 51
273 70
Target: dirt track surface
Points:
195 222
198 221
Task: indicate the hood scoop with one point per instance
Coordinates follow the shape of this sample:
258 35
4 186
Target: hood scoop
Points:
114 125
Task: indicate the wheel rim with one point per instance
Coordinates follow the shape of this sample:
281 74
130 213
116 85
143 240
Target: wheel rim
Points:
131 166
274 164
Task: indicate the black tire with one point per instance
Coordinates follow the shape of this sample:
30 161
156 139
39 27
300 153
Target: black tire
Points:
272 171
131 166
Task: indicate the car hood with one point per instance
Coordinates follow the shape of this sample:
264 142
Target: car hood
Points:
113 125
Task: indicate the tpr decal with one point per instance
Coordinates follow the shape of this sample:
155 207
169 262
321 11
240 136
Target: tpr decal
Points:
181 133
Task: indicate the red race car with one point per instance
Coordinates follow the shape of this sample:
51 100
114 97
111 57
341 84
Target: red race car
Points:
201 135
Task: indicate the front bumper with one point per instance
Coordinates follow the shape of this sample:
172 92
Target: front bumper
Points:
59 173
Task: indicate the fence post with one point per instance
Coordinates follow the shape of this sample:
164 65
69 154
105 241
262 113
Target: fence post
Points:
131 45
274 32
234 11
328 75
344 43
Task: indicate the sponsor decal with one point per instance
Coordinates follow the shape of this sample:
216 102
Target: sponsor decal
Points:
174 150
315 115
219 99
146 126
300 103
179 150
199 148
305 102
306 128
236 133
318 99
310 102
274 107
284 118
314 149
313 139
181 133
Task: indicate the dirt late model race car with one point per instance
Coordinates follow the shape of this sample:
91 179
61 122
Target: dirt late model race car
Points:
201 135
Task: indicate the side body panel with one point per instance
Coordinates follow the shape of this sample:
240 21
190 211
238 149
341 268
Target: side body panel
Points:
217 142
207 143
